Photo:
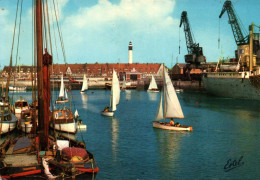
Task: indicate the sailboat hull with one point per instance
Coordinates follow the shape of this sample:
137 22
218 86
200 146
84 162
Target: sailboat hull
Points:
167 126
153 90
108 113
61 101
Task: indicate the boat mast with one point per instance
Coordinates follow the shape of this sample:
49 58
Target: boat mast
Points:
42 108
163 94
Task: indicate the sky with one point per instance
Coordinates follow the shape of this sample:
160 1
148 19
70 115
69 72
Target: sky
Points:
100 30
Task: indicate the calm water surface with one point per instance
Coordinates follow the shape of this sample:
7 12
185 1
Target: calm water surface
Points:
126 146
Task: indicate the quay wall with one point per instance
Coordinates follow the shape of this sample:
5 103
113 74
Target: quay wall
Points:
101 84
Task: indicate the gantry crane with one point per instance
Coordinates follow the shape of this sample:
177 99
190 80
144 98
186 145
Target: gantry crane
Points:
195 56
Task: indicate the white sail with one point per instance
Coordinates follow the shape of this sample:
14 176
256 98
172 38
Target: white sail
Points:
153 84
172 104
117 87
159 114
113 95
85 83
61 87
76 114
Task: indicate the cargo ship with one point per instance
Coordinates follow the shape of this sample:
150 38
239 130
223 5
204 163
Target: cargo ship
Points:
244 85
240 79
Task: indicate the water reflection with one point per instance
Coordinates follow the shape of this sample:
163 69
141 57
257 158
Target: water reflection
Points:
152 96
128 94
114 135
169 150
84 98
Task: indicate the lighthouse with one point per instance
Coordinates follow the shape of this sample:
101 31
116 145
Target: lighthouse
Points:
130 53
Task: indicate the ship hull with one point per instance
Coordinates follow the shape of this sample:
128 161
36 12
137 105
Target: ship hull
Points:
232 87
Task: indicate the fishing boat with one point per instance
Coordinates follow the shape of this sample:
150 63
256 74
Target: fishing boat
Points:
153 86
84 84
8 120
114 97
38 155
19 106
63 96
169 108
63 121
25 122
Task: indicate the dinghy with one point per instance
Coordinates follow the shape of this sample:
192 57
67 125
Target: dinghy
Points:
114 97
169 108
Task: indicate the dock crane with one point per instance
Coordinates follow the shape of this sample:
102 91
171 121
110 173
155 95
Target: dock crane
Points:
195 56
248 46
240 38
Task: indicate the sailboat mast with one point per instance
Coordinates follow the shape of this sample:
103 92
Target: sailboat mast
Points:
164 94
43 138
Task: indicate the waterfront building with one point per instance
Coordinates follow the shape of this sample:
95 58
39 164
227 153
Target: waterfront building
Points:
132 72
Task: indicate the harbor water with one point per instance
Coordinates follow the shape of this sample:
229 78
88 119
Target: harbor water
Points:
224 143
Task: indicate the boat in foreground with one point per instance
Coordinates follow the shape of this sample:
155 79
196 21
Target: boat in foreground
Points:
172 109
168 126
38 155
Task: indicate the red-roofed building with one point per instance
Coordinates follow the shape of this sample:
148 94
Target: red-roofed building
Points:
134 71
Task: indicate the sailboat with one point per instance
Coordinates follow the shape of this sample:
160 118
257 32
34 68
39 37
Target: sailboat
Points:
63 96
84 84
40 155
153 86
172 109
114 97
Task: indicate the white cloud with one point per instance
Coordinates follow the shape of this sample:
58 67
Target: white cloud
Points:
102 31
142 15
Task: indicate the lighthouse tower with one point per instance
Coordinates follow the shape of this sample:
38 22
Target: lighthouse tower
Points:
130 53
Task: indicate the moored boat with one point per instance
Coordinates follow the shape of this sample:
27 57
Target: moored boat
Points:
8 120
63 121
38 155
19 106
17 88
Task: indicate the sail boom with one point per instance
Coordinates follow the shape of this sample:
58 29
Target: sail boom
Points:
173 117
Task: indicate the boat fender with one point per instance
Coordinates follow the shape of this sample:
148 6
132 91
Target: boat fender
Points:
76 159
46 168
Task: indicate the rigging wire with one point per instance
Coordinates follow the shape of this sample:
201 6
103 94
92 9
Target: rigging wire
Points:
11 57
218 33
60 35
18 42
